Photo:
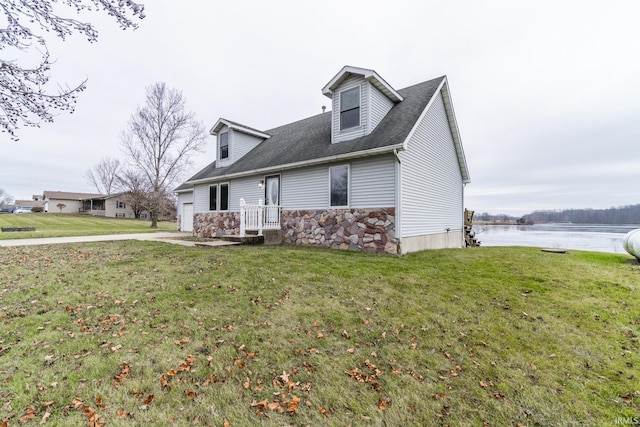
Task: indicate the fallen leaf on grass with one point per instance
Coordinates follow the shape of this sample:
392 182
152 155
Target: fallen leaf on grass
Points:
30 413
148 400
191 394
123 413
384 403
293 405
45 417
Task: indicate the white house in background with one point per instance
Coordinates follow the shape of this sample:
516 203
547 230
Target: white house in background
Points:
383 171
112 206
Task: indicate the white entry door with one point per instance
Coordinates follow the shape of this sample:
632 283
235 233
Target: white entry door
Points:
186 220
272 190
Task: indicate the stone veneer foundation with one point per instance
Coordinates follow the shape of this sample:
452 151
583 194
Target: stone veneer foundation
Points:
216 224
370 230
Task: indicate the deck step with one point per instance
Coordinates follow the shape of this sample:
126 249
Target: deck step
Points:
249 239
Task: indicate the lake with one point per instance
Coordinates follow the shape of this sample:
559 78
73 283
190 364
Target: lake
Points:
587 237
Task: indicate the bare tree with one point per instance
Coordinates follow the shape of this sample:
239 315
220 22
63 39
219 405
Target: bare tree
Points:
136 190
5 199
24 97
104 175
159 140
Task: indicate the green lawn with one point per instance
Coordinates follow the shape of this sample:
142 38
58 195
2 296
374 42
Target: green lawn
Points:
148 333
59 225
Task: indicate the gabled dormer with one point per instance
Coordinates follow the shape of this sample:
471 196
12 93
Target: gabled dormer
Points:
234 140
360 99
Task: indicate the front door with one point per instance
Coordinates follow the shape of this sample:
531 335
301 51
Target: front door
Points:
272 198
272 190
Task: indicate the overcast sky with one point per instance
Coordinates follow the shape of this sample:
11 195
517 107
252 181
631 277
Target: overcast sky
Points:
546 93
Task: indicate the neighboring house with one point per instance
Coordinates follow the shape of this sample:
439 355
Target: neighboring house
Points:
113 206
383 171
35 202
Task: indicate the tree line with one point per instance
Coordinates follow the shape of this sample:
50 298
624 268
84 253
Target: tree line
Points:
629 214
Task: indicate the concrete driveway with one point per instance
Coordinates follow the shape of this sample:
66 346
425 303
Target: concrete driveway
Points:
173 237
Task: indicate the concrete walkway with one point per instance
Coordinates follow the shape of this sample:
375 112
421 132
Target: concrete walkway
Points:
173 237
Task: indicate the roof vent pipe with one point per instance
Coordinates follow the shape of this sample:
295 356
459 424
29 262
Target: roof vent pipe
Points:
324 107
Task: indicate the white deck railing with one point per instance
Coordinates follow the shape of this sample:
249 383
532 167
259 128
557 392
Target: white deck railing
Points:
258 217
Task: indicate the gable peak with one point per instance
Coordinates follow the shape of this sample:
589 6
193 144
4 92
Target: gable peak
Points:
368 74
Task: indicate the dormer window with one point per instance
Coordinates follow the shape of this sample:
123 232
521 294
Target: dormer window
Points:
224 145
350 108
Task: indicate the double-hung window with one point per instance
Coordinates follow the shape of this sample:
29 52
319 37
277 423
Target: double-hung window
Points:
224 197
350 108
224 145
119 205
219 197
339 185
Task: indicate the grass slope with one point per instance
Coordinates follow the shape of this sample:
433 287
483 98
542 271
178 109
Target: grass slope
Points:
145 333
60 225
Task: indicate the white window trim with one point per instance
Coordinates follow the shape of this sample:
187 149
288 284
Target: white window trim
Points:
348 186
352 128
217 197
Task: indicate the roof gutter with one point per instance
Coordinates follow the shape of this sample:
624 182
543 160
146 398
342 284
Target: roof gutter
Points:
313 162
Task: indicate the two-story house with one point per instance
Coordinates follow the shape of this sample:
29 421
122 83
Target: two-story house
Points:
383 171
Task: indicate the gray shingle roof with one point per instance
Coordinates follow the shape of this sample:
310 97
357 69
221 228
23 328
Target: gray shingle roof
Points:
310 139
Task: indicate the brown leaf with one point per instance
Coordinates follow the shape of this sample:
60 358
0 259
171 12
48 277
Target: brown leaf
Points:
123 413
226 423
45 417
483 384
293 405
30 413
99 402
163 381
148 400
384 403
191 394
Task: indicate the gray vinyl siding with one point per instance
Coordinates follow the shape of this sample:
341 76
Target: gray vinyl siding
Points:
379 106
431 178
306 188
201 198
336 134
373 183
185 198
246 188
242 144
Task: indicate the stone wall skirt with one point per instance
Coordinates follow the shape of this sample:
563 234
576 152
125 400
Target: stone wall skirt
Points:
216 224
370 230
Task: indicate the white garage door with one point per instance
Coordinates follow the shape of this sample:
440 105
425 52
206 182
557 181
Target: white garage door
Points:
187 217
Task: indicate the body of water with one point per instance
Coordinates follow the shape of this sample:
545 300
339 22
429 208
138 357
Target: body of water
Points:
587 237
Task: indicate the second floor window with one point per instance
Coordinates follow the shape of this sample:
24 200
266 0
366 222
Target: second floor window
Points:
120 205
350 108
224 145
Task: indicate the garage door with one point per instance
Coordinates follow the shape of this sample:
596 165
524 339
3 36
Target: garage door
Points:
187 217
